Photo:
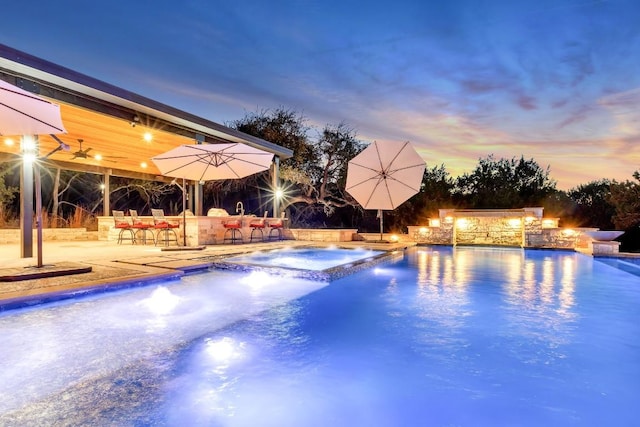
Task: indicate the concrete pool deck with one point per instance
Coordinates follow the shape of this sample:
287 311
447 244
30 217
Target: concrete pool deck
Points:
74 267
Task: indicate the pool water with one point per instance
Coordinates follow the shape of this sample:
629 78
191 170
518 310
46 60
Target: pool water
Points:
316 259
444 337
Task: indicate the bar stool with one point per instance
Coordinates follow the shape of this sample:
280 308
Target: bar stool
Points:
276 227
258 225
232 230
123 225
164 227
141 227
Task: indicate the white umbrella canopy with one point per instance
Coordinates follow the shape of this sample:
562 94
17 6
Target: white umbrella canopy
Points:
24 113
384 175
206 162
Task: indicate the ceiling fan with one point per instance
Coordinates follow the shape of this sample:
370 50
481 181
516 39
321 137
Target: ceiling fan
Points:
84 154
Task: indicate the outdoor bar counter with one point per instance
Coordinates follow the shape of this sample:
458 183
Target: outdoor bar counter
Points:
201 230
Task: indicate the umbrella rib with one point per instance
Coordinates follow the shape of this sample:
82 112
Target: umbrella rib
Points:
30 116
398 154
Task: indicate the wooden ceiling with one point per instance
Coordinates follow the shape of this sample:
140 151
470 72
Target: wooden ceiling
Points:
122 146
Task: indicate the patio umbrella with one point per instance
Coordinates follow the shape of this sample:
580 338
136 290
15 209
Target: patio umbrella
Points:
206 162
23 113
384 175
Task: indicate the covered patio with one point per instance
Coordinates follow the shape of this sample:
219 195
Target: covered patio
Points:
110 132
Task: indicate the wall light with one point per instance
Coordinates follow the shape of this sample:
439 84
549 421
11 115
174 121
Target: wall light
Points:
434 223
514 222
462 223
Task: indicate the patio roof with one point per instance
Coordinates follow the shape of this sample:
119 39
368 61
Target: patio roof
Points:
103 117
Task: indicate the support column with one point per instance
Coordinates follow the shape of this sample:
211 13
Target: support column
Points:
275 185
190 200
198 195
198 199
29 150
106 194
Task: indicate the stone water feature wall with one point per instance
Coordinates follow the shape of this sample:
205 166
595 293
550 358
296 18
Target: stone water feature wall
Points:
499 227
489 231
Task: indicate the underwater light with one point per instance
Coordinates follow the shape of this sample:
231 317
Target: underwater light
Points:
161 301
224 350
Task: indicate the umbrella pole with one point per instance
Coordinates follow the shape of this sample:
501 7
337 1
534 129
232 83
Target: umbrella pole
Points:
184 214
381 223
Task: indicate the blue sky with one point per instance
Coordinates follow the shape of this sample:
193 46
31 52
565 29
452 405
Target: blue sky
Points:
553 80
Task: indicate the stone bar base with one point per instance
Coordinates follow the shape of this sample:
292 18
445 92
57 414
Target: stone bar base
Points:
201 230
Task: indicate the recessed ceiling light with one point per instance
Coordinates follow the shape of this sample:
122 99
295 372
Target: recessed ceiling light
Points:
148 136
143 165
98 157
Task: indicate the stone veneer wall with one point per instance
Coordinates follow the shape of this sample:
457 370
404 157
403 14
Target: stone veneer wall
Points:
12 236
490 231
535 237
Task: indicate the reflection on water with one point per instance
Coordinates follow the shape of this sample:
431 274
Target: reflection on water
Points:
535 297
548 284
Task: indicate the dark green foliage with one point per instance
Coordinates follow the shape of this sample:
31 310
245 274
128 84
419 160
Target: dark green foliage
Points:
592 205
504 184
316 174
625 197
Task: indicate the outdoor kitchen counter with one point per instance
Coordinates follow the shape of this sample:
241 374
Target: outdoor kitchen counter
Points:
201 230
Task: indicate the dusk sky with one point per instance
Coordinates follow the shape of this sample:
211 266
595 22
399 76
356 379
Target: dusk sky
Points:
553 80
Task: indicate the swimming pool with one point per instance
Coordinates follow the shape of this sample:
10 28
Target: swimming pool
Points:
445 336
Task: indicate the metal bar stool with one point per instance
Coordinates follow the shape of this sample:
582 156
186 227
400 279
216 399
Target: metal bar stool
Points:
123 225
258 225
275 231
164 227
141 228
232 230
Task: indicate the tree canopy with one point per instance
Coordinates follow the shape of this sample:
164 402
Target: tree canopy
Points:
504 183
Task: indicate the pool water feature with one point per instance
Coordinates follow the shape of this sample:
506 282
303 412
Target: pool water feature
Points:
314 263
444 336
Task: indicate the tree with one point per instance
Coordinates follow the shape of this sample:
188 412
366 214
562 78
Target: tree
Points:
625 197
283 127
504 184
316 174
593 208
